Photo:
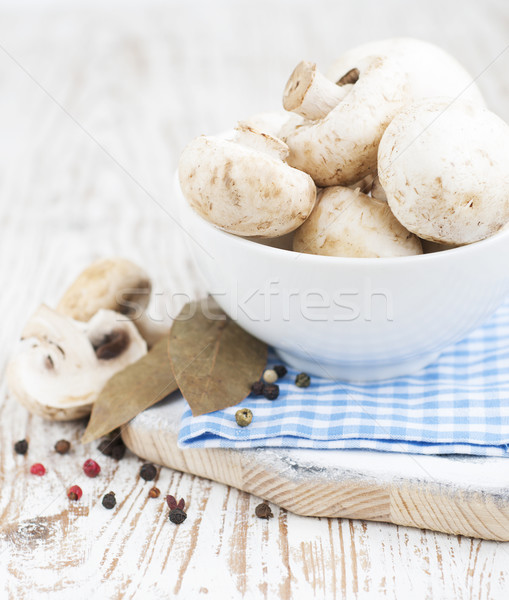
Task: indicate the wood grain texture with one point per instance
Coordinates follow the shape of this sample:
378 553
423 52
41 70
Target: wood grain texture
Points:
96 102
347 485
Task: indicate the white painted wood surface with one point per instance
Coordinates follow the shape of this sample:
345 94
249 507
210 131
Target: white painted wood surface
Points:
95 104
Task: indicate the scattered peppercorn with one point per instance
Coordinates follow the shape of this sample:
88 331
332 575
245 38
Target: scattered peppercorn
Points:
243 417
118 451
38 469
21 447
91 468
109 500
177 513
257 388
302 380
62 446
148 472
154 492
74 492
271 391
263 511
281 370
270 376
113 447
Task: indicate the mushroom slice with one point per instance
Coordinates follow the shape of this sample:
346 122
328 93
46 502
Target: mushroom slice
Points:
346 113
63 364
346 222
244 186
444 167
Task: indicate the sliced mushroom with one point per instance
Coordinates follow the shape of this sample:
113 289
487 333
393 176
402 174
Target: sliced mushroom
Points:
114 284
444 167
346 222
347 112
63 364
244 186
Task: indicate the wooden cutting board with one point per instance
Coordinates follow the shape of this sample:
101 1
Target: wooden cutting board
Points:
455 494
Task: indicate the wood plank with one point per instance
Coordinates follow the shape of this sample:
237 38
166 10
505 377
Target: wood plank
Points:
351 484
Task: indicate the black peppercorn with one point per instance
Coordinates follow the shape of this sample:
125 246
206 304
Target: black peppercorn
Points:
106 447
303 380
62 446
257 388
263 511
109 500
177 513
271 391
118 452
281 370
21 447
148 472
112 447
177 516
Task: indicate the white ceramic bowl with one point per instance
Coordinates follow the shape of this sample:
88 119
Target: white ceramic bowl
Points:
354 319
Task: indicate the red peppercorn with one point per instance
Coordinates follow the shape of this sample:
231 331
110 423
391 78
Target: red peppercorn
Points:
38 469
74 492
91 468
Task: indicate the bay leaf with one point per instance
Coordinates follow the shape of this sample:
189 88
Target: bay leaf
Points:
131 391
214 361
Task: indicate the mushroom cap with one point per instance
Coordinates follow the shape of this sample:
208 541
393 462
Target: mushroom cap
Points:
341 148
430 70
63 364
111 283
346 222
243 190
445 170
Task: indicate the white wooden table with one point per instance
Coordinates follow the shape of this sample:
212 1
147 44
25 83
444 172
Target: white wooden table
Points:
95 105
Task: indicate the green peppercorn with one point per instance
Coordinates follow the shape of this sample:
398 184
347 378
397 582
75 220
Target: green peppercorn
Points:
303 380
243 417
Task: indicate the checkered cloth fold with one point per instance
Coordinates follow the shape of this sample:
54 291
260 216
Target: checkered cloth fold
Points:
459 405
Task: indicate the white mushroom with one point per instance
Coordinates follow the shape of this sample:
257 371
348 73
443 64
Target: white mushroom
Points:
347 112
377 191
346 222
444 167
244 186
114 284
270 122
63 364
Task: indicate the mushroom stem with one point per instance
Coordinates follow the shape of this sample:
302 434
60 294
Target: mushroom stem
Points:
377 191
310 94
258 140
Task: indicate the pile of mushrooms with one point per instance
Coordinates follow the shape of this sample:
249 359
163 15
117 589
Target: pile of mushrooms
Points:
67 354
390 153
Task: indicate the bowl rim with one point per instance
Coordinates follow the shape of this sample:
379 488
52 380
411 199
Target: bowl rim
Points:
465 250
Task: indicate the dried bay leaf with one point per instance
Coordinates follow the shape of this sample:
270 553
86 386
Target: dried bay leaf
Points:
131 391
214 361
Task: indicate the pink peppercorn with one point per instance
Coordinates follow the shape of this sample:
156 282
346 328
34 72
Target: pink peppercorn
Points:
91 468
38 469
74 492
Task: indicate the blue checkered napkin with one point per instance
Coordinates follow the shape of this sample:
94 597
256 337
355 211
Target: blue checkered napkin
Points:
459 405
